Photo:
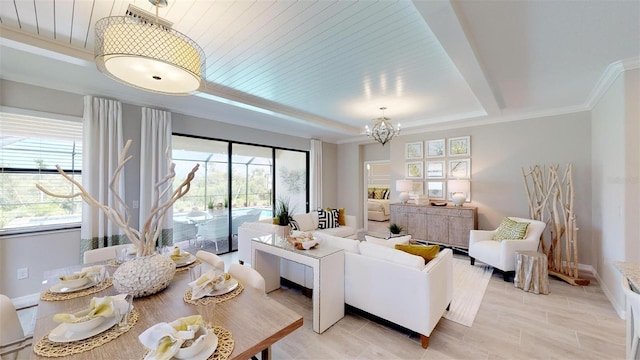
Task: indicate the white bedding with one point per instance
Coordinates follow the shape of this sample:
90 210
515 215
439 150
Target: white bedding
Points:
378 205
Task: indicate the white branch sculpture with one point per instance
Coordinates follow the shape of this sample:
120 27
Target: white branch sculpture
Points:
551 196
145 240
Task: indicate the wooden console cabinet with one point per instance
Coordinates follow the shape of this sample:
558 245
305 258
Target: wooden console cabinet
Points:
446 225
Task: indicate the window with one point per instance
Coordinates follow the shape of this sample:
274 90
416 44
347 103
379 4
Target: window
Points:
30 148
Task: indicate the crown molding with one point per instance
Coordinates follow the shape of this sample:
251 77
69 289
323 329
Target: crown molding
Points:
610 75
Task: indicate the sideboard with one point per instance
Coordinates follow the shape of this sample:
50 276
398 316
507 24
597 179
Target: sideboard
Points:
447 225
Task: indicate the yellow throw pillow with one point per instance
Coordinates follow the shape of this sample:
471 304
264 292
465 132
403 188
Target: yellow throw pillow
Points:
341 219
511 230
427 252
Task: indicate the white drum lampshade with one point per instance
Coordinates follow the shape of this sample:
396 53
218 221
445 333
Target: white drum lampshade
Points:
404 186
459 189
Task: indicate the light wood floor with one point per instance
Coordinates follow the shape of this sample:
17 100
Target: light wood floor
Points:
570 323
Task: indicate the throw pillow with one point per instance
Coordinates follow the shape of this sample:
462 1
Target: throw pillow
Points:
293 223
370 193
304 222
511 230
327 219
428 252
378 193
341 219
392 242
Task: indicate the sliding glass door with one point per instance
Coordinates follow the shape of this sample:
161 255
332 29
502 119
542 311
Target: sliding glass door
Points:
235 184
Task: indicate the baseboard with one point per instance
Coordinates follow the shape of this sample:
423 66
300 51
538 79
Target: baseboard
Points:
622 313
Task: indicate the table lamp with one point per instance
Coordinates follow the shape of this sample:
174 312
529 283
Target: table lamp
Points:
404 186
459 190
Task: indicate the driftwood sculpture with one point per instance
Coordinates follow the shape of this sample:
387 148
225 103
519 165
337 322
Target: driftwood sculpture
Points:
144 240
551 201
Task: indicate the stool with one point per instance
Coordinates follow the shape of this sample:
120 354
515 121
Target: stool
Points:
532 274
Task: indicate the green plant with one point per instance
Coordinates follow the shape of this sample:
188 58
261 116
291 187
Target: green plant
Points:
395 229
283 211
226 203
210 204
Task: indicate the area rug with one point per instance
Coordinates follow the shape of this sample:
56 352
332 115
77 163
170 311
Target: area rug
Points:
469 285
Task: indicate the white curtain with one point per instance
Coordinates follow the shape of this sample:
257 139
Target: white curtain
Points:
315 177
155 142
102 141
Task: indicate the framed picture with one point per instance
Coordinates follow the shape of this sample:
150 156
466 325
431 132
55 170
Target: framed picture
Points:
460 169
436 190
435 148
413 150
435 169
460 146
417 188
414 170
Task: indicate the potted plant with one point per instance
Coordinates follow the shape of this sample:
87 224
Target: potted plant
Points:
395 229
210 205
282 216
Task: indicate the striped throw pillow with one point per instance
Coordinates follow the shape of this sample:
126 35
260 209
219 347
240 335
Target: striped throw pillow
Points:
327 219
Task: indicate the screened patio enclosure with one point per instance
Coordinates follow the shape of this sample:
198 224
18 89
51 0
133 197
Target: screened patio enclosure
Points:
233 185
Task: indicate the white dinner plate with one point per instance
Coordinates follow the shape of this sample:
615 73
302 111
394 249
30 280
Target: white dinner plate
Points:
231 285
211 344
184 262
61 288
62 335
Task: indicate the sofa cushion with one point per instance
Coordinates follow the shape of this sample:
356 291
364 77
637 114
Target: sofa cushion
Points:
327 219
304 222
342 231
391 255
348 245
388 242
511 230
427 252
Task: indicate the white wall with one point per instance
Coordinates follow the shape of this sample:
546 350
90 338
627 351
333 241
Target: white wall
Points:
615 181
330 181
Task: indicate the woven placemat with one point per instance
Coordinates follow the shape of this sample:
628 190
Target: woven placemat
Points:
48 348
213 299
225 343
51 296
183 268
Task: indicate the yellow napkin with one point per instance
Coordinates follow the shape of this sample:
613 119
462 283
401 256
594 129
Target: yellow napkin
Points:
99 306
75 276
177 254
185 323
165 339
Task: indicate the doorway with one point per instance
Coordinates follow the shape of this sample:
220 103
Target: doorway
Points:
377 175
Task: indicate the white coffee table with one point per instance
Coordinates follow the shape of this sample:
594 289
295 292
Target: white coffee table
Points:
327 264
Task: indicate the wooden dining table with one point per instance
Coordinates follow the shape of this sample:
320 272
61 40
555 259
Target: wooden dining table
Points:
254 320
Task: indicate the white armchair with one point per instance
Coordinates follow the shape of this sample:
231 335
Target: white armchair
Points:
502 254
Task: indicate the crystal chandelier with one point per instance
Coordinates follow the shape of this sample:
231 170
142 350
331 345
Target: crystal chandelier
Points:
383 131
148 55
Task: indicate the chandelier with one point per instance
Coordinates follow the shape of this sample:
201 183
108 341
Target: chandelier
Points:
383 131
148 55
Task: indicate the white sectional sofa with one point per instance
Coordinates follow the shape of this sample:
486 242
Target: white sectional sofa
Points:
395 285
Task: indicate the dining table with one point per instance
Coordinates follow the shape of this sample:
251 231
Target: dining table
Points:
254 320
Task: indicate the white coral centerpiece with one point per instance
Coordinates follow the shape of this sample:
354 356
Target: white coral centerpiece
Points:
148 273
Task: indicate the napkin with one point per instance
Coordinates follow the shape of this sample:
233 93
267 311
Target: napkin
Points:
99 306
203 285
165 339
92 272
177 254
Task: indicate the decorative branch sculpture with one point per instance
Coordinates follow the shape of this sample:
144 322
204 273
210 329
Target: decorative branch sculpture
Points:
551 196
145 240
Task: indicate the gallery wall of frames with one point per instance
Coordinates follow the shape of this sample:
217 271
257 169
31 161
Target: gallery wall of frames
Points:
431 163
